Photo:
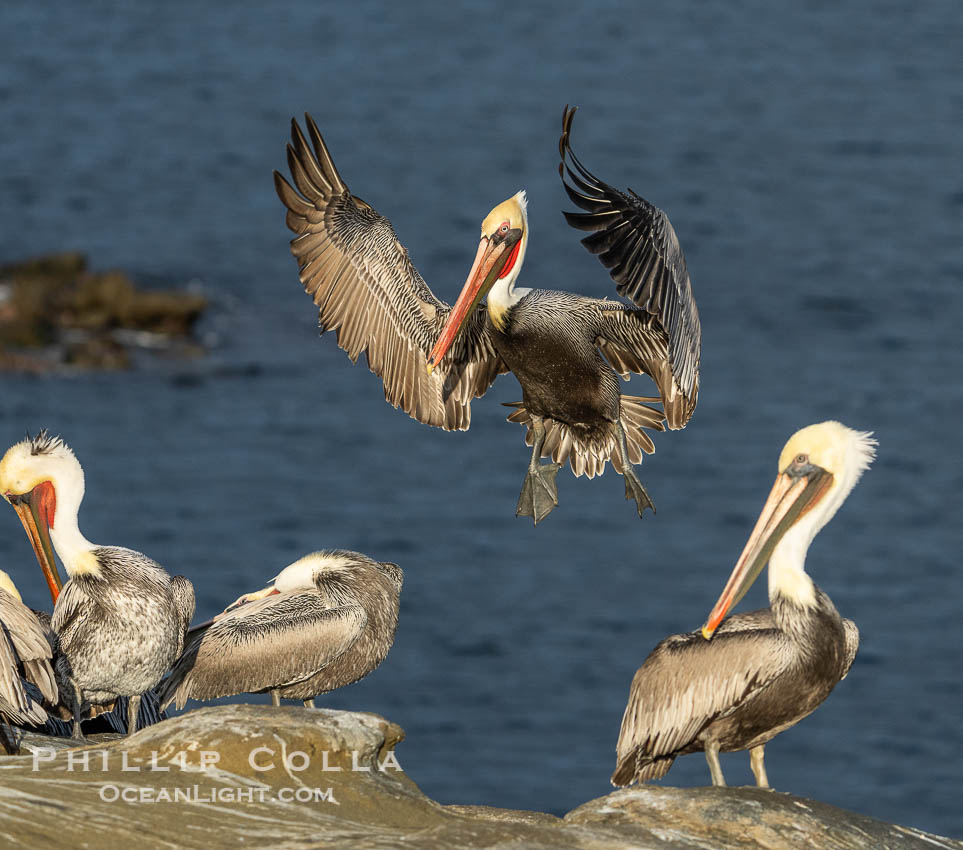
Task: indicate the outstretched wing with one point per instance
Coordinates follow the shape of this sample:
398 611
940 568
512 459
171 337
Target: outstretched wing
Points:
370 293
686 683
637 243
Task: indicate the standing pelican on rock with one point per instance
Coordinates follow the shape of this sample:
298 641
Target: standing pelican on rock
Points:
120 620
328 620
741 681
566 350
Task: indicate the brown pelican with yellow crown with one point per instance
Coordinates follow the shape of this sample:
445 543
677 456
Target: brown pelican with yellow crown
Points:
740 681
121 619
566 350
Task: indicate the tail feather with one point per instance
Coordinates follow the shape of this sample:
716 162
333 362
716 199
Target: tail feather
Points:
629 771
176 687
168 690
588 457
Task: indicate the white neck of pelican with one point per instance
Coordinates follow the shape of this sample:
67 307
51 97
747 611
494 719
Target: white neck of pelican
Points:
68 541
787 566
503 295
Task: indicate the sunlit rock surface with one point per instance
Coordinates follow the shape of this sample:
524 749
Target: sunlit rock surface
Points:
261 777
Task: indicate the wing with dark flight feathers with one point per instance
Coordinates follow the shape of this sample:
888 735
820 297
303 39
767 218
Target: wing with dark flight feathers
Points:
686 683
370 293
637 243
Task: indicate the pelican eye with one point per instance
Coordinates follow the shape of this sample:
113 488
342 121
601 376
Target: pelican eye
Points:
504 228
801 460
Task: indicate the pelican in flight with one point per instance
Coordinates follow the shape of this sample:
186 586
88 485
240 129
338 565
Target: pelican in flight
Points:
741 681
327 620
26 671
120 620
566 350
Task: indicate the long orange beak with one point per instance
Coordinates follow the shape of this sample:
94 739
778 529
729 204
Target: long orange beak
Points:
247 597
492 260
791 496
36 511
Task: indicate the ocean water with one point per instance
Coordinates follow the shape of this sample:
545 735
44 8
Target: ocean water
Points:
809 161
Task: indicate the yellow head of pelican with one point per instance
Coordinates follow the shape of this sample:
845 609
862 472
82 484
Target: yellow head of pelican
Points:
301 575
818 468
304 573
501 251
34 474
6 584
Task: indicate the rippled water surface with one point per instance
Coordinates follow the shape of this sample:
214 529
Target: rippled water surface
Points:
809 161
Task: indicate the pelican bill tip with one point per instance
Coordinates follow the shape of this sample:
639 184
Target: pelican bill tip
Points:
707 633
431 368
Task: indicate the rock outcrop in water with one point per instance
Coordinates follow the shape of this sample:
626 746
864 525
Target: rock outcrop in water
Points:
55 312
234 776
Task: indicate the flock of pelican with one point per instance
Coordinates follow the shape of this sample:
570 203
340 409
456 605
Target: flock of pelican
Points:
120 642
121 624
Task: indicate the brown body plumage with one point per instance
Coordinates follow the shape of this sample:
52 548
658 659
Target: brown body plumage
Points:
741 681
329 620
763 672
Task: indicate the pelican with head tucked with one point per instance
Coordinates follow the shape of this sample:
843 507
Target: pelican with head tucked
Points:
120 620
740 681
327 620
567 351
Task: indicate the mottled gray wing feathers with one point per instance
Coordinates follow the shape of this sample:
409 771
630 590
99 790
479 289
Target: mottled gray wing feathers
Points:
271 642
183 593
23 644
632 341
15 706
687 682
851 634
368 291
638 244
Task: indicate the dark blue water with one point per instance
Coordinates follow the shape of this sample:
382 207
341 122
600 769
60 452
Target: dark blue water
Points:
810 162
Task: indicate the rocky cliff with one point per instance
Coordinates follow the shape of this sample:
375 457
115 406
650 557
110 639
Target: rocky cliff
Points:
235 776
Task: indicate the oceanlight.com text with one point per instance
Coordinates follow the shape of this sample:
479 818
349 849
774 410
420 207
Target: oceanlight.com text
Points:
194 794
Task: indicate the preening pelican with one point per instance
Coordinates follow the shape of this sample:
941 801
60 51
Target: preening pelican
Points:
741 681
120 620
26 672
328 620
564 349
108 717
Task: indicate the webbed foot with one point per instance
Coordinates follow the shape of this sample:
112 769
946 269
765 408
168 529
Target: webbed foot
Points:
635 490
539 496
